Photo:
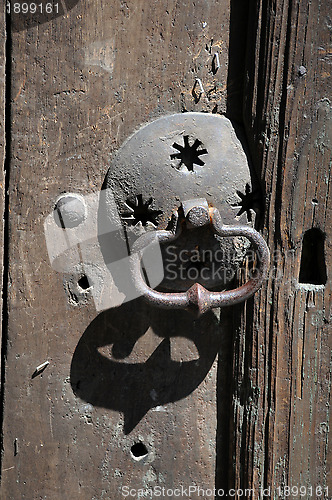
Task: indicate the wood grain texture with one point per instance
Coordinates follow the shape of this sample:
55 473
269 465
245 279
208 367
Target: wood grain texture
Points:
81 85
282 358
2 143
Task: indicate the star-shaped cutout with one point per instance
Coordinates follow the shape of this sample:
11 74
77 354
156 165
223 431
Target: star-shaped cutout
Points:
249 201
189 155
140 211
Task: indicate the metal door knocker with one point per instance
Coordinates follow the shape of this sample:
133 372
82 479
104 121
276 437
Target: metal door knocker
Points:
184 181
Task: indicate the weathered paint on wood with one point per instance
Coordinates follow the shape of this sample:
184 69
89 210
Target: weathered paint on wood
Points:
281 403
81 85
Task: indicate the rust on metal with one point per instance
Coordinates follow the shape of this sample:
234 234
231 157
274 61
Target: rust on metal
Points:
198 298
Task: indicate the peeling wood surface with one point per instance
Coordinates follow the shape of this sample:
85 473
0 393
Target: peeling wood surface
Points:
81 84
282 358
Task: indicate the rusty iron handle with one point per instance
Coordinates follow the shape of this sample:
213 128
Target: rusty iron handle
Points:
197 297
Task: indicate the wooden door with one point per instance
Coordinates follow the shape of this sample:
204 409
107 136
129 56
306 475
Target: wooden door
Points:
254 414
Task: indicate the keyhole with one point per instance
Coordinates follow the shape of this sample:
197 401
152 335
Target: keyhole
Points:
139 451
313 267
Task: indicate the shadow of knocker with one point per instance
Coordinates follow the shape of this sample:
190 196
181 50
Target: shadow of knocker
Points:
134 388
24 15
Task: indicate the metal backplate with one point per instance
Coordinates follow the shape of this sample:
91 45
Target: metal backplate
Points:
182 157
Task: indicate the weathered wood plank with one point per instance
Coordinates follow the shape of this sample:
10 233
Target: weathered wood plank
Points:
282 356
2 145
80 86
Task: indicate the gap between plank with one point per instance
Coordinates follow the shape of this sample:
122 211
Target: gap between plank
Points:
5 263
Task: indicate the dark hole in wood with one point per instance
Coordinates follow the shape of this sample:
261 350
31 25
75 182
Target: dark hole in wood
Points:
313 267
83 282
139 450
314 201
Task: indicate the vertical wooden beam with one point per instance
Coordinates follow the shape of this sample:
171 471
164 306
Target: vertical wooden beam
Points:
282 354
2 144
81 84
